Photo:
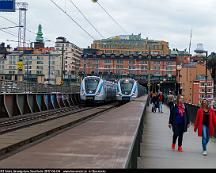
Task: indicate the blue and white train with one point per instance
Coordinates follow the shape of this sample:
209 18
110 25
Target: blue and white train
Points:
129 89
96 90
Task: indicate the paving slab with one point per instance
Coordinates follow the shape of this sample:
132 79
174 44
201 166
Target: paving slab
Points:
156 147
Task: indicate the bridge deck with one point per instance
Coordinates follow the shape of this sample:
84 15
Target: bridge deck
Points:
156 147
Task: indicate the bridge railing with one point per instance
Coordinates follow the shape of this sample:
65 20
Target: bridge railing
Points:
7 86
192 111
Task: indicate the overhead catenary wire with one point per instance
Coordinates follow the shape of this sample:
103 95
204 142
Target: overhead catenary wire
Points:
86 18
61 9
111 17
26 28
10 33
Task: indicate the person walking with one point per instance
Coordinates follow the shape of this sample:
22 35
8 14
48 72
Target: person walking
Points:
205 123
179 122
170 98
161 101
155 102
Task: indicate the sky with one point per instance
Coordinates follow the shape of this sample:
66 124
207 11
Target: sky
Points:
168 20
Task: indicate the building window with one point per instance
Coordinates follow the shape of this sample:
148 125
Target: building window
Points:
39 58
40 67
131 67
144 67
120 61
39 72
107 61
119 66
169 68
107 66
144 62
131 62
39 62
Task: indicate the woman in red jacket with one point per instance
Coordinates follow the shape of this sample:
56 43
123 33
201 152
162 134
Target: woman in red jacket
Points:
205 122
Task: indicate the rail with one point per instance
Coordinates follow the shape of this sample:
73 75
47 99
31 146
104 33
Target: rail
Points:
8 86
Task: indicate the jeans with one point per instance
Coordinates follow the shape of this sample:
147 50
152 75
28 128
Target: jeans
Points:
160 106
205 137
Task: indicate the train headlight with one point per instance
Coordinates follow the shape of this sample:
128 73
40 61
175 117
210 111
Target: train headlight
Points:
118 94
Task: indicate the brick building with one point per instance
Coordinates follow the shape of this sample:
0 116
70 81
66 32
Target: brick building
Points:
129 65
192 81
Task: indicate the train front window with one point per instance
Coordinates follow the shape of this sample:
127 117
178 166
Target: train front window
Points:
91 85
126 86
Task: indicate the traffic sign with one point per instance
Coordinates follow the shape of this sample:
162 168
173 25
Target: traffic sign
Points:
7 6
20 65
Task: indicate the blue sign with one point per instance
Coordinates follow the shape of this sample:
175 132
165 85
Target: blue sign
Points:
7 6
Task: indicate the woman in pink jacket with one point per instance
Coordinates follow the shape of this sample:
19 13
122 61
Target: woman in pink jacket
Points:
205 123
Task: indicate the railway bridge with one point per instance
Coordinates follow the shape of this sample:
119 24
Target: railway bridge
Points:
62 133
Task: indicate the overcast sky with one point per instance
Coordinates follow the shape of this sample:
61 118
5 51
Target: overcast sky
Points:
169 20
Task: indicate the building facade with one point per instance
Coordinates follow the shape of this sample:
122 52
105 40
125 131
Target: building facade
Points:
192 84
158 66
72 57
131 44
198 91
34 63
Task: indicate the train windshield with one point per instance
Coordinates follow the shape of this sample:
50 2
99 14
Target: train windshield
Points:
126 86
91 85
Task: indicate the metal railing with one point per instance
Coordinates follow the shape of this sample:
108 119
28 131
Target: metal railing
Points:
7 86
192 111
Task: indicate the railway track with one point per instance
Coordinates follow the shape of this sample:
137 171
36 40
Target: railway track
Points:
30 133
14 123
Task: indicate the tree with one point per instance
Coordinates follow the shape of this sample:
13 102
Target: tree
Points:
212 66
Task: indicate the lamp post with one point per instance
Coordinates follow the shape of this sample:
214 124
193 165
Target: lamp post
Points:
178 67
149 71
206 72
62 65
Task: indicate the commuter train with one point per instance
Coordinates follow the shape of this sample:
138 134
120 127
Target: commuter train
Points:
96 90
129 89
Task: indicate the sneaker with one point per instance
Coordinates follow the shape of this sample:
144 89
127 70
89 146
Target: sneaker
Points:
173 146
204 153
180 149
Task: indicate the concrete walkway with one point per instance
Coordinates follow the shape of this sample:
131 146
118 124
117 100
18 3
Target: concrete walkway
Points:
156 147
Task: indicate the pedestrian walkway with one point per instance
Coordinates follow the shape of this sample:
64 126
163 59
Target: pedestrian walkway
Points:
156 149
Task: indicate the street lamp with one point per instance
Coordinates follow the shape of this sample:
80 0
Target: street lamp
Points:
206 70
179 67
149 71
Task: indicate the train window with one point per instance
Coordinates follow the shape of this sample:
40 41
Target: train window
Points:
91 84
126 86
